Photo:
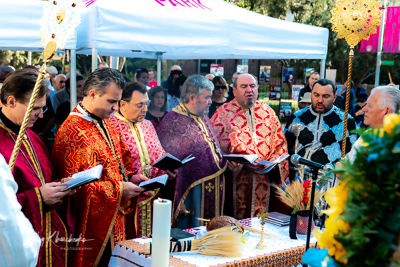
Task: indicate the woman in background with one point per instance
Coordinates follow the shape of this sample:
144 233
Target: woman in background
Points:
158 105
220 94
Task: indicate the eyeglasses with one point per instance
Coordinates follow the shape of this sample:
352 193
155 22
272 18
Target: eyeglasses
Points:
220 87
140 105
62 81
44 109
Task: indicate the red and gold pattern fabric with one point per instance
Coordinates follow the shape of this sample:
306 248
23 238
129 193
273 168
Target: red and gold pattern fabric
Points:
98 207
142 141
33 160
251 131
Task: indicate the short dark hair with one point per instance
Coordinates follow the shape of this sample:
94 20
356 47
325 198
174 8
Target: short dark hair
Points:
20 84
154 90
140 71
175 87
132 87
31 68
221 80
68 81
99 79
325 82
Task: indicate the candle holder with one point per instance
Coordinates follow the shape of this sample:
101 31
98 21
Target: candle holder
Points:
262 215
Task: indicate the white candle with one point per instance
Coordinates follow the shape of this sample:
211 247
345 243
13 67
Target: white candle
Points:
161 233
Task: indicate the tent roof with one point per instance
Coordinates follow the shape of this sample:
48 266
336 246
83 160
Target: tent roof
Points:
192 29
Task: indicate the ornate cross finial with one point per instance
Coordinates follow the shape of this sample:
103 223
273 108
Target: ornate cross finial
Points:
262 215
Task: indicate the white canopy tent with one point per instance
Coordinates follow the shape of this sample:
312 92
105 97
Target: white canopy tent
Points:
197 29
168 29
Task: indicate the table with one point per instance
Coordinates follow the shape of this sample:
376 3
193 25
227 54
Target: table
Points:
281 251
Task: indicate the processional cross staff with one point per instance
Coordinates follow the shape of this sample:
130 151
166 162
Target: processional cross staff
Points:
354 20
57 26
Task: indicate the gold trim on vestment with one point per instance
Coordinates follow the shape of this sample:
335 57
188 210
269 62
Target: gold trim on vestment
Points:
202 203
110 229
39 196
48 214
253 193
218 173
145 205
181 110
217 189
223 195
138 135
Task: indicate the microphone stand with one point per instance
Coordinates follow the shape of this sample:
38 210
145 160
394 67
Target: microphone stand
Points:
313 183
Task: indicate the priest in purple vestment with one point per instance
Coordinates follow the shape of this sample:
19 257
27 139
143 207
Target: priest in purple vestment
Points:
200 183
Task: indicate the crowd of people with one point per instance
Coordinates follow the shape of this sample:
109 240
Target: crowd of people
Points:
126 126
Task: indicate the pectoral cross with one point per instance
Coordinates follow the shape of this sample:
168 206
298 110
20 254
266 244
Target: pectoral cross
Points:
217 149
262 215
147 171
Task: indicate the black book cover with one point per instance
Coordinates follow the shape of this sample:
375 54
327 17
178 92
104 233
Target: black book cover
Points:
154 183
171 163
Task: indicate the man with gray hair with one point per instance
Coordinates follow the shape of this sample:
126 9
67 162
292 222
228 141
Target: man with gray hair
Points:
231 96
53 72
382 101
186 131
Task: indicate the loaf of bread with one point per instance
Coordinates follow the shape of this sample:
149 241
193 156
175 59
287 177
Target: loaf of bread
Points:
221 221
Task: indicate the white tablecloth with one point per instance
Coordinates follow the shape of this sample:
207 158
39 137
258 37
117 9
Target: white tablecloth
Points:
124 256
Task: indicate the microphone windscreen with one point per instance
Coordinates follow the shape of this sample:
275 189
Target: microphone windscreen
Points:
295 159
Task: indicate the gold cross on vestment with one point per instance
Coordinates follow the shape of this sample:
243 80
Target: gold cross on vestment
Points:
210 187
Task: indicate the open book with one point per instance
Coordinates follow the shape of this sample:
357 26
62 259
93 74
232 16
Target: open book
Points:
238 158
154 183
84 177
171 163
271 164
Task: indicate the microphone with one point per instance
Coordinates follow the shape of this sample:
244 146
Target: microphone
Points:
296 159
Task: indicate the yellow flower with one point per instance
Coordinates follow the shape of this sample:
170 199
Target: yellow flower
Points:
336 197
378 132
361 142
390 121
326 240
336 225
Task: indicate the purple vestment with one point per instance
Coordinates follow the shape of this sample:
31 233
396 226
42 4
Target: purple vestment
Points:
182 134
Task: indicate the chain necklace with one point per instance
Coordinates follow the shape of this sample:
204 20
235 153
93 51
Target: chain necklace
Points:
110 142
205 133
38 172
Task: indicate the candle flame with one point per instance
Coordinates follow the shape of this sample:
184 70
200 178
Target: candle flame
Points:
161 200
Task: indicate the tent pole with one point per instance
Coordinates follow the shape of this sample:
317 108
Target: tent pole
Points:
29 57
94 59
113 62
322 69
159 68
198 67
72 71
380 44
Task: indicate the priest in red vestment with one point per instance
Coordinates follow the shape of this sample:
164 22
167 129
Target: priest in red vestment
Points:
142 140
38 196
87 138
247 126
